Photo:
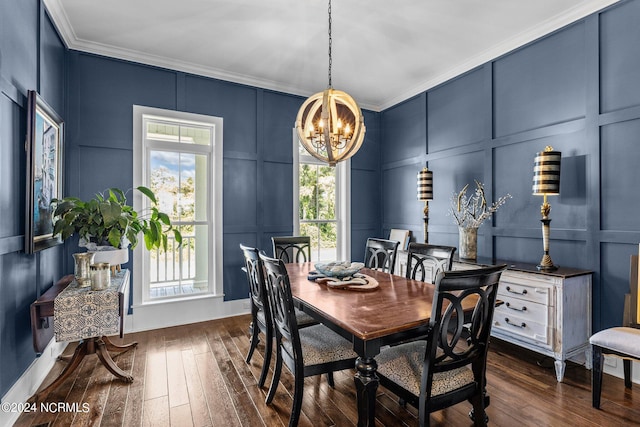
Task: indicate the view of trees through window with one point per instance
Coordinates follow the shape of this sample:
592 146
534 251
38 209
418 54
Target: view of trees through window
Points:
178 174
317 208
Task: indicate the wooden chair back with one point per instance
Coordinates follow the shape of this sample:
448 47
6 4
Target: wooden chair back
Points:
425 261
292 248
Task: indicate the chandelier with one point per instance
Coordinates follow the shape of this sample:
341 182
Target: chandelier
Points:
330 124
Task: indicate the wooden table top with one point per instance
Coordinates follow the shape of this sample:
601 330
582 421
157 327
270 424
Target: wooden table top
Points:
397 305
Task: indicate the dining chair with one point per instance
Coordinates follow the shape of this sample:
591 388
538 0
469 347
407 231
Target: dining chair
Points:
306 352
260 311
449 365
292 248
380 254
425 261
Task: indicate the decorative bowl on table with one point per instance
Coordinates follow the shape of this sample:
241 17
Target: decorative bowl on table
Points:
338 269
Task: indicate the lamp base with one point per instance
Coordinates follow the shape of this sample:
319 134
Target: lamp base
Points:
546 264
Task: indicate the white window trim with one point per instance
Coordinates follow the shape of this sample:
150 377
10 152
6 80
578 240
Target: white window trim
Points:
343 200
139 161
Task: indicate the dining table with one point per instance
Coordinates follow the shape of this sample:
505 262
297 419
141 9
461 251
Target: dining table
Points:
396 310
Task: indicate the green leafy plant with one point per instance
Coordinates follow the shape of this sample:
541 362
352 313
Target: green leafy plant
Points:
106 220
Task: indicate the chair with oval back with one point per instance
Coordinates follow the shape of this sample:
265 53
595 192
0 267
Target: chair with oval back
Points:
425 261
260 312
449 365
292 248
380 254
310 351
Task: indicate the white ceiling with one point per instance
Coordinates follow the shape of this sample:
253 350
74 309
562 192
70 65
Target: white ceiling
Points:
383 51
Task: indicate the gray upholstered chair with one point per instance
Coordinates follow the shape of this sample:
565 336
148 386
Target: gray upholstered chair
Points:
380 254
425 261
260 310
449 365
310 351
623 342
292 248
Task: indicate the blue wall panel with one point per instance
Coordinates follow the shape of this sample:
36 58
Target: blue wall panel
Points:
235 103
368 157
19 43
365 202
620 176
277 208
404 130
52 59
513 174
398 187
541 84
102 95
619 59
240 195
115 170
279 119
456 112
614 283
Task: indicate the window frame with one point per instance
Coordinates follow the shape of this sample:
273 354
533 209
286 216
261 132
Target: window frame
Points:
343 198
141 174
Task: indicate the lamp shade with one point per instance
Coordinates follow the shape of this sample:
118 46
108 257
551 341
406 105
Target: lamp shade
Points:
546 172
425 184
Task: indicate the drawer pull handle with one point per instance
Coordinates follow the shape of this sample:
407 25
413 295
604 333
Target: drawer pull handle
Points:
521 325
524 308
524 291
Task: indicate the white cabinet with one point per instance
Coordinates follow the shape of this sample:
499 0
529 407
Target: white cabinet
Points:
546 312
549 313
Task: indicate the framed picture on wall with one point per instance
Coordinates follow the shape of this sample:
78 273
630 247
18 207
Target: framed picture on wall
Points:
44 146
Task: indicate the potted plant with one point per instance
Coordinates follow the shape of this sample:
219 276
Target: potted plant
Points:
107 222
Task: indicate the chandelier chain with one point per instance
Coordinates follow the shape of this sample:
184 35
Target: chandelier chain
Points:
330 60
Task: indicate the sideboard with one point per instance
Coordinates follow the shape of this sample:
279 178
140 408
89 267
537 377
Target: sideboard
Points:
548 312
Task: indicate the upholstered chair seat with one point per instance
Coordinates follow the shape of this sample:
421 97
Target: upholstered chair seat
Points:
321 345
402 364
304 319
624 340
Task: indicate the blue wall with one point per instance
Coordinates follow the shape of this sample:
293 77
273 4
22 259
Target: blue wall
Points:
576 90
32 57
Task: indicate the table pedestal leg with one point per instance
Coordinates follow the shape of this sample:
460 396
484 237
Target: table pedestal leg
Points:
366 385
100 346
118 348
108 362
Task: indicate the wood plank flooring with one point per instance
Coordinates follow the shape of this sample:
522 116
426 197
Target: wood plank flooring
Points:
195 375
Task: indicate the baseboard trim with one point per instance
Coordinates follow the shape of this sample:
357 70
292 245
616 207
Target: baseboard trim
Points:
176 313
31 380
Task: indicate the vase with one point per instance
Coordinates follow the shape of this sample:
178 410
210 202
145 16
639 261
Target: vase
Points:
82 261
467 242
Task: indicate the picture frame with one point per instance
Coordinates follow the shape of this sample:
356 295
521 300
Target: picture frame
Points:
44 178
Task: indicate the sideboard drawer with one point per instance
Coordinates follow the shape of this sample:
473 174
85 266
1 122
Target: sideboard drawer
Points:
527 310
539 294
521 326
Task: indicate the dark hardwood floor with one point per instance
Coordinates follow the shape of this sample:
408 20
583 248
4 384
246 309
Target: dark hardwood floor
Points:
196 375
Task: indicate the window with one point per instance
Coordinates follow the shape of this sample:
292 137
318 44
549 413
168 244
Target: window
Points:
179 157
321 205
